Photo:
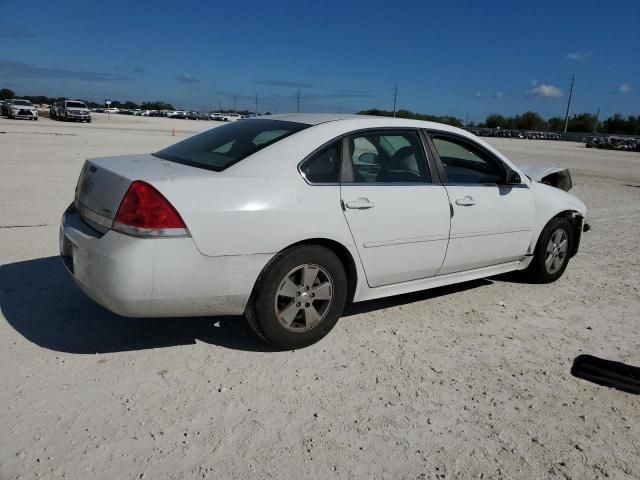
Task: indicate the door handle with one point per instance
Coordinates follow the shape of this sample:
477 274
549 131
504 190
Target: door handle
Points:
360 204
466 201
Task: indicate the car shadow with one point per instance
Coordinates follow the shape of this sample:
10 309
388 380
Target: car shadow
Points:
39 300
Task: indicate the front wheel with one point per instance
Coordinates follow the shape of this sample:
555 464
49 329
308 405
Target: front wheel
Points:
552 252
299 297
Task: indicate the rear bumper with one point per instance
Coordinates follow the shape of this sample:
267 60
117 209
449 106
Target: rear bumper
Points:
165 277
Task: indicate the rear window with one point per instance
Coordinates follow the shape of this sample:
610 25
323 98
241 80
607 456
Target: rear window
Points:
221 147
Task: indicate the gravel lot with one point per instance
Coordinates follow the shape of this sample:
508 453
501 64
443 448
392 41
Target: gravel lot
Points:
470 381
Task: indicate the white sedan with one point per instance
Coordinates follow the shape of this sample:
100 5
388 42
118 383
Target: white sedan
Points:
287 218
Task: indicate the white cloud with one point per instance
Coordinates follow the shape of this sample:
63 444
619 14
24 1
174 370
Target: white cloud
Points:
478 94
499 94
578 55
625 88
185 77
543 90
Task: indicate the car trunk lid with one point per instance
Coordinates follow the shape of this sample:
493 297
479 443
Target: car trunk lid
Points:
103 183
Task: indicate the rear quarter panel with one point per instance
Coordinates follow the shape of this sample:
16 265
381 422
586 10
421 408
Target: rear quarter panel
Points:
236 215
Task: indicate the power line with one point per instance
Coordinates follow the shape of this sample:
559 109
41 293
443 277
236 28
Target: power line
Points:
566 117
395 99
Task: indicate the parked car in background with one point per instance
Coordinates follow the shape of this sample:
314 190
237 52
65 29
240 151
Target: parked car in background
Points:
287 218
177 114
71 110
230 117
20 108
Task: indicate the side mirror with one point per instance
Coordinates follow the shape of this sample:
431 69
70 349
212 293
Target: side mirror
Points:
513 178
367 157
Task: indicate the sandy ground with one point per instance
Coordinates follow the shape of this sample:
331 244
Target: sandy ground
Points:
449 383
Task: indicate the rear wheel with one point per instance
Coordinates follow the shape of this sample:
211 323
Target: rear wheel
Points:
552 252
299 297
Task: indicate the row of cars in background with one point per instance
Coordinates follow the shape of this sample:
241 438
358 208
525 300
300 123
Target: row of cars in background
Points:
183 114
628 144
19 108
522 134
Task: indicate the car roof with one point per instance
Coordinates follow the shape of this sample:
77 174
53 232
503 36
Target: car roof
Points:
377 121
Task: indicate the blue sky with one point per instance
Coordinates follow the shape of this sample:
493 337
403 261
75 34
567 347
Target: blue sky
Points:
448 58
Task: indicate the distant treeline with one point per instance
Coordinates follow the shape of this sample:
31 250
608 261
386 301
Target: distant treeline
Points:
582 122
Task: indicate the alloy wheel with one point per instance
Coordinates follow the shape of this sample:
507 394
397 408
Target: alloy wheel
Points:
303 298
556 251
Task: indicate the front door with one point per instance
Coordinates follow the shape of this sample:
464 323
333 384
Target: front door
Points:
398 218
491 221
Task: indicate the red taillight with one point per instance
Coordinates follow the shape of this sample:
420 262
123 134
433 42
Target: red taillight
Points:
145 212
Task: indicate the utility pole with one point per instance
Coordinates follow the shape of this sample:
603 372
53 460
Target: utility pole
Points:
566 117
235 102
256 112
466 122
395 99
595 125
298 100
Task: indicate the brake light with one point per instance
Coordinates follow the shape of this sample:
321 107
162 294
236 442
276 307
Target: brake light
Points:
144 212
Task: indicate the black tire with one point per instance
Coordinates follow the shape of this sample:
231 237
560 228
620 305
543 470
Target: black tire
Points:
261 314
538 270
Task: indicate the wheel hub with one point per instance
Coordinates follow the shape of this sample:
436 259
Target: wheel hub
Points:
556 251
304 298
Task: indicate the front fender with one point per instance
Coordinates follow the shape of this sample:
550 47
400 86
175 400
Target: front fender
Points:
549 203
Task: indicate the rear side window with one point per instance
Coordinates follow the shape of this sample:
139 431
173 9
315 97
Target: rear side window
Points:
221 147
387 157
323 166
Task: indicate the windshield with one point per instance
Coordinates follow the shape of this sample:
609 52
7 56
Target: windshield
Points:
76 105
221 147
21 102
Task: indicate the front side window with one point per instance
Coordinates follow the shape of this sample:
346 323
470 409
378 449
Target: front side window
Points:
465 163
323 166
387 157
221 147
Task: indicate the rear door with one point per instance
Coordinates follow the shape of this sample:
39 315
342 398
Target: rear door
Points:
492 221
399 218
